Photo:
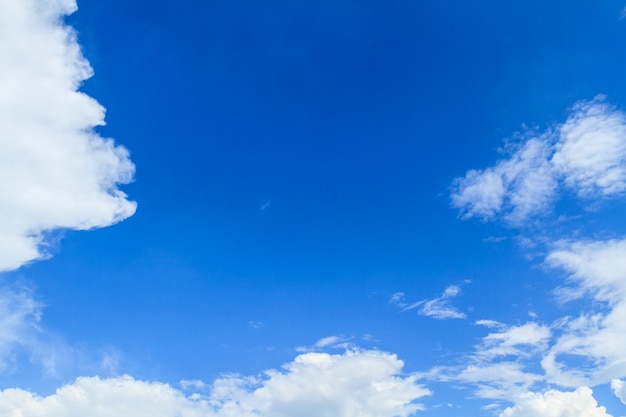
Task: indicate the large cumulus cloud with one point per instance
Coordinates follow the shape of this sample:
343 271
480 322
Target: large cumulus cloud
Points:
57 172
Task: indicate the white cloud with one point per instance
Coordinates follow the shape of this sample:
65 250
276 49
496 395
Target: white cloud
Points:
498 380
497 369
97 397
597 338
59 174
619 389
438 308
490 323
520 185
357 383
591 151
330 341
596 267
579 403
516 340
586 154
582 350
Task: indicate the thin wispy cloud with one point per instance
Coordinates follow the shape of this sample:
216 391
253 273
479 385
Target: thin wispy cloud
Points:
266 205
440 308
335 342
20 315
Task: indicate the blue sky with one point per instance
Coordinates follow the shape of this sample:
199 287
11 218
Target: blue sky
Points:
329 208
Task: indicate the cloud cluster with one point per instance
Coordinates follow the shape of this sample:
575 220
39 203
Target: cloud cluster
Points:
356 383
585 155
58 172
573 351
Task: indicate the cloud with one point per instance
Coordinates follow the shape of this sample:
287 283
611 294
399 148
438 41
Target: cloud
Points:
597 338
63 175
265 205
586 154
335 342
591 151
26 343
363 383
19 322
595 267
619 389
586 349
520 185
516 341
498 367
504 380
438 308
553 403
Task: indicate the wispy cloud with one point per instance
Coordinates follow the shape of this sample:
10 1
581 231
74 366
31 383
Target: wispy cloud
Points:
20 315
25 342
255 324
63 175
438 308
266 205
586 155
335 341
596 269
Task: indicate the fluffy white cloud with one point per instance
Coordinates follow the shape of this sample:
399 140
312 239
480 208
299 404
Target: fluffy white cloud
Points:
591 151
58 173
619 389
586 154
97 397
579 403
355 384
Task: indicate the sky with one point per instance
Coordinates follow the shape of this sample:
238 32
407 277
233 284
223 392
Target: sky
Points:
312 209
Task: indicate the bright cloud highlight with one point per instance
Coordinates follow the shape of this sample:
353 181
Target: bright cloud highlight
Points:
58 173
